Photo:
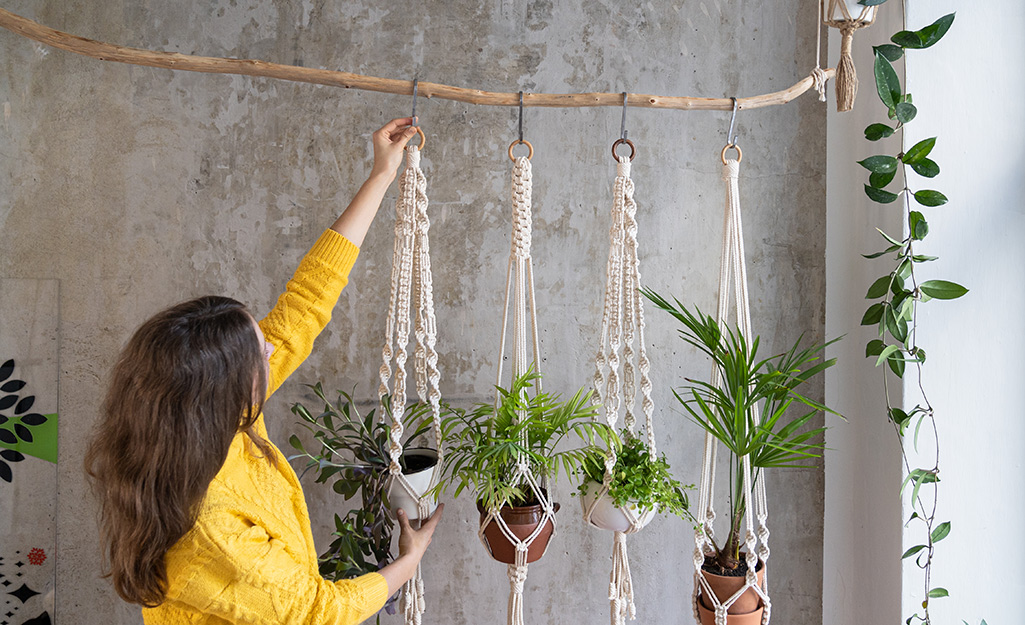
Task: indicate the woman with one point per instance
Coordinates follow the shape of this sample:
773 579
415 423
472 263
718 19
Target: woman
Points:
203 520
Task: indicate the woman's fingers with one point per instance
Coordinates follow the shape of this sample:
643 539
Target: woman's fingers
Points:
433 521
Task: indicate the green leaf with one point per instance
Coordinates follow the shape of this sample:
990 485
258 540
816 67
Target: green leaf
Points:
919 151
887 83
880 180
938 592
908 39
890 51
874 348
912 551
886 353
875 132
926 167
871 3
873 314
917 225
923 258
892 248
906 111
941 531
932 33
930 198
942 289
294 441
897 366
878 288
880 164
878 195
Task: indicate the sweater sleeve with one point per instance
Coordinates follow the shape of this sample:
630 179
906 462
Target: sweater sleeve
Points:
304 309
250 577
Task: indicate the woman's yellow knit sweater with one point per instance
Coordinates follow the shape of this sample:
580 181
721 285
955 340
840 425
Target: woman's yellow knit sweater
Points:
250 557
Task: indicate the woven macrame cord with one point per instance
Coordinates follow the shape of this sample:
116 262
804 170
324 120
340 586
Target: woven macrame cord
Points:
411 289
732 274
519 290
622 329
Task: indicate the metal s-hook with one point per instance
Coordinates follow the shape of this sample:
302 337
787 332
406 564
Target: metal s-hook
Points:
521 117
622 136
622 124
415 86
731 139
520 141
419 131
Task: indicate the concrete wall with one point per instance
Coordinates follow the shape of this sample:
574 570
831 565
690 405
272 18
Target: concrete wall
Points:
138 188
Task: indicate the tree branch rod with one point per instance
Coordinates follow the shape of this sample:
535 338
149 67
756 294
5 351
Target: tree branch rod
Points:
250 67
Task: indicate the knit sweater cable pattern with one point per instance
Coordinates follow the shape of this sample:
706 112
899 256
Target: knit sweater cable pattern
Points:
250 558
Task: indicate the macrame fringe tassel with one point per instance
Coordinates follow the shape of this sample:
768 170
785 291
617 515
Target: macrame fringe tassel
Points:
621 588
846 76
517 576
413 602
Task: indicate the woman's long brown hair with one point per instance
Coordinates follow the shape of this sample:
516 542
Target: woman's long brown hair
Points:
188 380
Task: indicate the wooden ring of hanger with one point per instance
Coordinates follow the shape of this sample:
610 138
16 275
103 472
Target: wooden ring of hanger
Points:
517 142
740 155
620 142
423 139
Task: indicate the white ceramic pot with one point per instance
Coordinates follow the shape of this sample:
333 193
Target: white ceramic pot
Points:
419 479
606 515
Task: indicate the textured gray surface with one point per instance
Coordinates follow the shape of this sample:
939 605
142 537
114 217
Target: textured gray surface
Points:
138 188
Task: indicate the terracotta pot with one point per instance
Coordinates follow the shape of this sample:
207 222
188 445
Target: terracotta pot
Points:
522 520
606 515
424 463
724 587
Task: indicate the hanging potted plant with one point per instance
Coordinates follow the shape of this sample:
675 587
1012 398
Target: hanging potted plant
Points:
729 411
640 487
484 446
354 458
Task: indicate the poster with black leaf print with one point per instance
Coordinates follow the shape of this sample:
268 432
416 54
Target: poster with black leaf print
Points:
29 322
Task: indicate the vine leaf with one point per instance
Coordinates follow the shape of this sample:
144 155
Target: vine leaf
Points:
875 132
906 111
873 314
878 288
890 51
881 164
917 225
941 531
880 180
942 289
887 83
878 195
932 33
926 167
930 198
919 151
935 593
912 551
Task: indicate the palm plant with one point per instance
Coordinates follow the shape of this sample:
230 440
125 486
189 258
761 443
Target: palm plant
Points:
484 445
754 411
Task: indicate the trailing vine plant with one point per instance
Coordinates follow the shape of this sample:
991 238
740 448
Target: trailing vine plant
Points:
898 294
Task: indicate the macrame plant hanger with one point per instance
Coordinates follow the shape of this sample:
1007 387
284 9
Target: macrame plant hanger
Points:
732 274
519 290
412 289
622 328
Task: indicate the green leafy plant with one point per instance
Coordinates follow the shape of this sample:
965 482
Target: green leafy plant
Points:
638 479
483 445
354 457
900 291
782 437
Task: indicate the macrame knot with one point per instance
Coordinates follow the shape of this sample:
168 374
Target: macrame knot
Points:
731 169
819 79
623 168
413 156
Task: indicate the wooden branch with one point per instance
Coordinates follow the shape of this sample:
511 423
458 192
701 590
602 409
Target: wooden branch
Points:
247 67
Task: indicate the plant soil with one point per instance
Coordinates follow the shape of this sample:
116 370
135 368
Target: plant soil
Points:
712 566
415 463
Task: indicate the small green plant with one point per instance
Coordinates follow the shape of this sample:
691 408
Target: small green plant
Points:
638 479
727 411
484 445
354 457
